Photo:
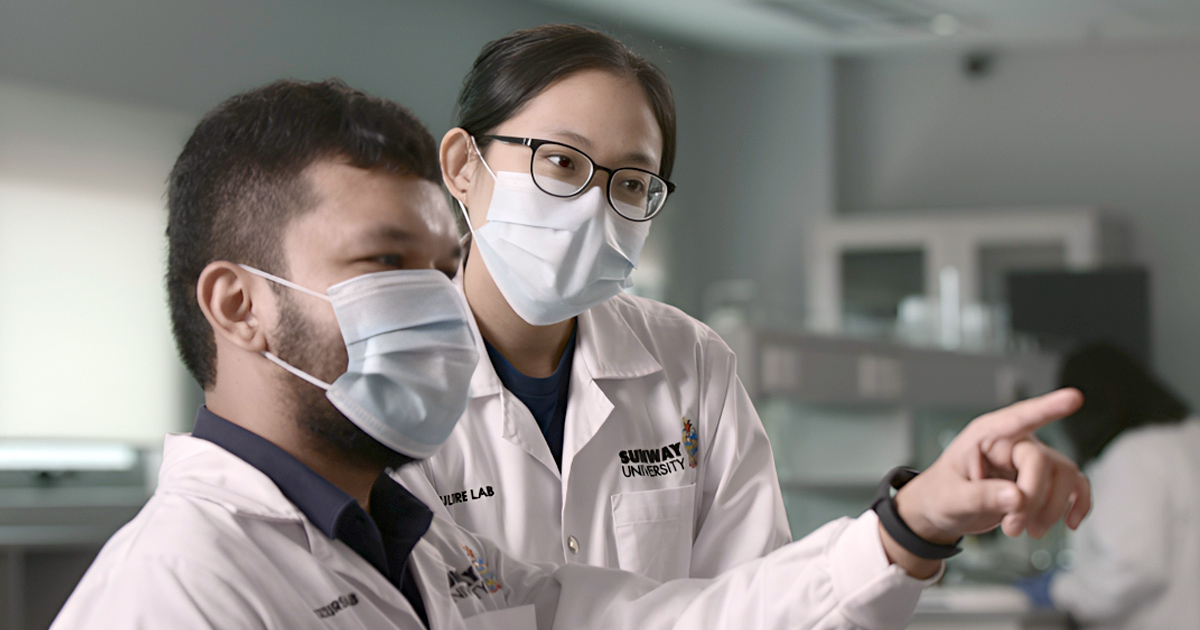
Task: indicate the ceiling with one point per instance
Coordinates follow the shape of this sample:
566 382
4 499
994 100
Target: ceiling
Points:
867 25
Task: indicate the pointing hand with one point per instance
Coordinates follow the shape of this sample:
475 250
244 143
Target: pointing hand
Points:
997 473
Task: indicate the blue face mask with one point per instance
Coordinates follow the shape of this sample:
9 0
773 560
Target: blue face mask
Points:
411 356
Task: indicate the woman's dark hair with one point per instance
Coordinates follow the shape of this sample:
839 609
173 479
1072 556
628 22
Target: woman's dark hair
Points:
513 69
1119 394
239 182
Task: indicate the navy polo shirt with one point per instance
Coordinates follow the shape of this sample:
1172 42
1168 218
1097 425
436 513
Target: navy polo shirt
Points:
385 537
546 398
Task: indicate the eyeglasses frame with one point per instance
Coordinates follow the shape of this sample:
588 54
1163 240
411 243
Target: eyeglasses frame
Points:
535 143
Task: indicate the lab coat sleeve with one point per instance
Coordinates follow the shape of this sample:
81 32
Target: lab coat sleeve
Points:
836 578
159 593
1121 550
741 515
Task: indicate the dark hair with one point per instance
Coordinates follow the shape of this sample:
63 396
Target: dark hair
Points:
513 69
1119 394
238 183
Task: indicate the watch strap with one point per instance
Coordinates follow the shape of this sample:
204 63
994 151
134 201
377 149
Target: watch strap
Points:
889 517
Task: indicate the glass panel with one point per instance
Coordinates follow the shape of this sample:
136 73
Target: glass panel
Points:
997 261
873 285
830 458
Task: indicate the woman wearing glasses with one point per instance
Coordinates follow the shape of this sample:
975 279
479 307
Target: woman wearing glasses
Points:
611 430
604 428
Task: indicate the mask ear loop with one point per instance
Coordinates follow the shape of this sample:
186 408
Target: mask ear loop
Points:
480 154
267 353
287 283
462 208
297 371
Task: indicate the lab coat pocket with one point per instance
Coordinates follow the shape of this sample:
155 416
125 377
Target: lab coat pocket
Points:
653 529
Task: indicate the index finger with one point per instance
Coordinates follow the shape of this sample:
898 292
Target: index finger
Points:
1020 419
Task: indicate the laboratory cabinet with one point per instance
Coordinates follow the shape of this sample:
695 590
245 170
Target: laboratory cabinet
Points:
939 277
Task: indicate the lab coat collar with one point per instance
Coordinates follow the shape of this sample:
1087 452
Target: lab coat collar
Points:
198 468
201 470
610 345
485 381
620 355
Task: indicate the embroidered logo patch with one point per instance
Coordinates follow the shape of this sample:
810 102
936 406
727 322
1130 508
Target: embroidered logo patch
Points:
476 580
691 442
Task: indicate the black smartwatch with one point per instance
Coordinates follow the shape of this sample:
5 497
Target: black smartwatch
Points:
885 507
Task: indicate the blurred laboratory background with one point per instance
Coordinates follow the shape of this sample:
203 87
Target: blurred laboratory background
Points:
900 214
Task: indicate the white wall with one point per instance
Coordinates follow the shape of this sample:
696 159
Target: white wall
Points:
755 169
85 345
1117 128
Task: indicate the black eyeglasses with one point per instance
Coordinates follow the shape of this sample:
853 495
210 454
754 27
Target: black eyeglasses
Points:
563 171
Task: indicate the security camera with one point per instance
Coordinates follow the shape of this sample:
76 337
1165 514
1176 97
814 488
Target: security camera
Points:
978 64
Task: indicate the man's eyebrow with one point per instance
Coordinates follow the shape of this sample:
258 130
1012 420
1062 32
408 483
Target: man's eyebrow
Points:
388 234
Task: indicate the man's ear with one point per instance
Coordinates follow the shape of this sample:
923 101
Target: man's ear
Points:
458 157
224 295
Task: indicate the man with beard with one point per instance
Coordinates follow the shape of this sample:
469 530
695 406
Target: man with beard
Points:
273 513
309 265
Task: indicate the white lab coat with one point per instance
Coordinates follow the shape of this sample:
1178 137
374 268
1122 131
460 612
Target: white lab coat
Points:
219 546
1137 556
642 371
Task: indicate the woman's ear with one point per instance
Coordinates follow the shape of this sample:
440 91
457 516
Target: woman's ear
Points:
457 155
224 295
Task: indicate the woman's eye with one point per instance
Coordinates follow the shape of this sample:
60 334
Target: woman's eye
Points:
634 186
562 161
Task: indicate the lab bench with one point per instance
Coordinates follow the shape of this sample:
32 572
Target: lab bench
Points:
963 620
982 607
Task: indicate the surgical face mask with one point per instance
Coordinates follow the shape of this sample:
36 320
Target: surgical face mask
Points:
551 257
411 356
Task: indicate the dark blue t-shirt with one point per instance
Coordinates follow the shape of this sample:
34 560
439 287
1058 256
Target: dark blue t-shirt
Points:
546 398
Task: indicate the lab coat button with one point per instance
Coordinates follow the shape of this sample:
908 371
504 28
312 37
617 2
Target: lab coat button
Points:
572 544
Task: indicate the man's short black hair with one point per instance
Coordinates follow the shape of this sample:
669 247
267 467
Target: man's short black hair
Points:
238 183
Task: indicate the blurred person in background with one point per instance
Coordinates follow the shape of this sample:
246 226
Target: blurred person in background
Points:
1136 560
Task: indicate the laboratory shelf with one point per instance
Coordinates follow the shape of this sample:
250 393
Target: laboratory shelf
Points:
830 370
